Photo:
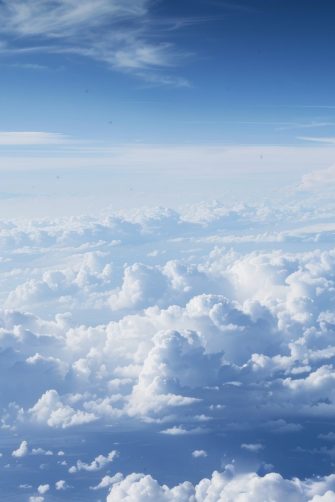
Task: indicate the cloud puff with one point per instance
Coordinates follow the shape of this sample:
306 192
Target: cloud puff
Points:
51 410
108 481
42 489
61 485
253 447
96 465
21 451
178 430
199 454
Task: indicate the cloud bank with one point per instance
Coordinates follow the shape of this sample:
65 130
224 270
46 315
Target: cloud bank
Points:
187 325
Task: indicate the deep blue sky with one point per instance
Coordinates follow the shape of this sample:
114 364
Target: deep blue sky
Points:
256 71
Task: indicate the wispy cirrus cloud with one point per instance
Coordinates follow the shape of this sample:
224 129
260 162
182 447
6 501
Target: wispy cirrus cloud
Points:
319 139
119 33
32 138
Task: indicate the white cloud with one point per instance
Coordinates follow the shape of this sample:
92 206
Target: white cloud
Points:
108 481
42 489
199 454
21 451
178 430
61 485
319 139
96 465
225 486
205 338
50 409
32 138
253 447
329 496
117 33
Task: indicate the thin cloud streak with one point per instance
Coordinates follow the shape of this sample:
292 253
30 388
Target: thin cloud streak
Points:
67 153
27 138
330 140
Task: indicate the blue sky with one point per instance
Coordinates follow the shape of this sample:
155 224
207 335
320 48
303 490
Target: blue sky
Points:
200 71
142 90
167 261
98 84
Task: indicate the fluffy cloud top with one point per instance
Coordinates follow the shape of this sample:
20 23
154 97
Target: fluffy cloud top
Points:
21 451
96 465
187 325
224 486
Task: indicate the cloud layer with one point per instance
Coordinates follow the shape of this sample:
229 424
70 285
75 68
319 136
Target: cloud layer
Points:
226 486
189 324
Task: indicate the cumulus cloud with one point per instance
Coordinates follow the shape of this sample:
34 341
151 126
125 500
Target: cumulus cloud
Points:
21 451
96 465
199 454
61 485
41 451
42 489
108 481
178 430
198 338
227 485
51 410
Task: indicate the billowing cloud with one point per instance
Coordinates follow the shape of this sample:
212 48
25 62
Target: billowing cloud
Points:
96 465
228 486
194 327
42 489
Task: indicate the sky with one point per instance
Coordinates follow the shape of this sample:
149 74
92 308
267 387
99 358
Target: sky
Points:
114 88
167 260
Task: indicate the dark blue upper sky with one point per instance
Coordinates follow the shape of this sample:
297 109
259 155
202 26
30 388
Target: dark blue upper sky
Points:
256 71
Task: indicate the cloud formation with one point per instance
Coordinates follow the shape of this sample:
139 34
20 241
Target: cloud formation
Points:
116 33
208 322
224 486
